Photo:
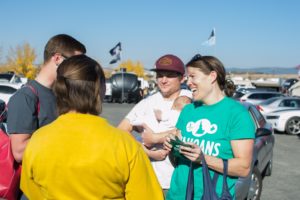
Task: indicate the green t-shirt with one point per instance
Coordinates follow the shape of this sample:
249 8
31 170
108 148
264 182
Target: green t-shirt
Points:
211 127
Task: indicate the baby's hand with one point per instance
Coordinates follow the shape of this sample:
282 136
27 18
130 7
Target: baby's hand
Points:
159 155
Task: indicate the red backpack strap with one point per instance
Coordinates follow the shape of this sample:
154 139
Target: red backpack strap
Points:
37 96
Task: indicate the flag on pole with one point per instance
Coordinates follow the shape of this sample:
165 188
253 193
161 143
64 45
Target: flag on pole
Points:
116 52
211 40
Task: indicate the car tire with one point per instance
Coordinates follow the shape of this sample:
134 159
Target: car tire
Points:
292 126
255 185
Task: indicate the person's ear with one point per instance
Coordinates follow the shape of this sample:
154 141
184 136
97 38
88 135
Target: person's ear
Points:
213 76
57 59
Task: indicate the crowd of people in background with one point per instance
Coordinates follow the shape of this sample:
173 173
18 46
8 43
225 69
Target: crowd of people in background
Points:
68 151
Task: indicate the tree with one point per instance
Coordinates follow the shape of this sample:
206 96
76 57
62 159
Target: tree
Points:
130 66
21 59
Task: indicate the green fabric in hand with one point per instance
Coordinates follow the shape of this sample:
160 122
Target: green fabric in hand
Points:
176 143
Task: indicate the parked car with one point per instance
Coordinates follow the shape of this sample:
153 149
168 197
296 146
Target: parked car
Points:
7 90
285 121
11 77
294 90
278 103
245 90
287 84
262 161
256 97
125 87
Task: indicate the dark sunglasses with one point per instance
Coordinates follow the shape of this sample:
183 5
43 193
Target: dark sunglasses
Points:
196 58
161 74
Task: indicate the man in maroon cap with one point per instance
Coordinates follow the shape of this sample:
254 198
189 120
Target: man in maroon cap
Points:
169 75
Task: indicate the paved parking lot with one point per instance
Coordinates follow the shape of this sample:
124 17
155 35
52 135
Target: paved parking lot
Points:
284 184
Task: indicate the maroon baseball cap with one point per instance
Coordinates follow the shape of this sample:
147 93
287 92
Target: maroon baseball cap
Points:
169 63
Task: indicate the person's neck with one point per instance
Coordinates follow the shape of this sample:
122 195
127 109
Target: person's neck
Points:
172 96
214 98
45 77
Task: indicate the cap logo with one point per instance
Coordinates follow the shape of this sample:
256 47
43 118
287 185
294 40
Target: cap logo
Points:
165 61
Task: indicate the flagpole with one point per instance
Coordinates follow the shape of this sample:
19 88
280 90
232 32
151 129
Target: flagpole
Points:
215 42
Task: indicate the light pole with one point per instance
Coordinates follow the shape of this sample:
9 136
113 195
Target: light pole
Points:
122 94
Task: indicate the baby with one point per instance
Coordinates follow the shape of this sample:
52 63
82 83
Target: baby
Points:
158 120
169 119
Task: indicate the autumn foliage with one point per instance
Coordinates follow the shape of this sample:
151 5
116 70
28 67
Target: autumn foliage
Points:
20 60
135 67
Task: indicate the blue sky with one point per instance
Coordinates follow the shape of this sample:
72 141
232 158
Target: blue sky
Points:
256 33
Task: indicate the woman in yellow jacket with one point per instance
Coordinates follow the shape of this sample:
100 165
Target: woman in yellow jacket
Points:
80 155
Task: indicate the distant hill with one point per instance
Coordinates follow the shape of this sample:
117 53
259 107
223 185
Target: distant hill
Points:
257 70
263 70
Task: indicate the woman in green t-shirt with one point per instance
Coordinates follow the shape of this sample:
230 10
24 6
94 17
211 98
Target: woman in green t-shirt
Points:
214 125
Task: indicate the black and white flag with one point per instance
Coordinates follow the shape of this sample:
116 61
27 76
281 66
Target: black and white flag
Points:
116 53
211 40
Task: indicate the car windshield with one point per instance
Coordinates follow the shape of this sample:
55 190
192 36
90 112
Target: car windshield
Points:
5 77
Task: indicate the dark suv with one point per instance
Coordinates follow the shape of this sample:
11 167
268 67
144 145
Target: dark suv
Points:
125 87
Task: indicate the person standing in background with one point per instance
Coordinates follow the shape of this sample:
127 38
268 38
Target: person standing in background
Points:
169 74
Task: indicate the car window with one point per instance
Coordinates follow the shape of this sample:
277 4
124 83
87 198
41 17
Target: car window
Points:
17 80
7 90
254 120
255 96
263 95
258 116
269 95
297 103
290 103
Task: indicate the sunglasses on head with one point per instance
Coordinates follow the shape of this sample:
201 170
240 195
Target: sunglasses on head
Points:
168 74
196 58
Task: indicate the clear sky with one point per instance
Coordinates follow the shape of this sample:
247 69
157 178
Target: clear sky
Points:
249 33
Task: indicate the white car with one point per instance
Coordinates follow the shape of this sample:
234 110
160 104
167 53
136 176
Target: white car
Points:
7 90
285 121
11 77
255 95
278 103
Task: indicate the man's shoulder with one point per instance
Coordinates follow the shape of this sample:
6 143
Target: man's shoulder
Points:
22 97
21 93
